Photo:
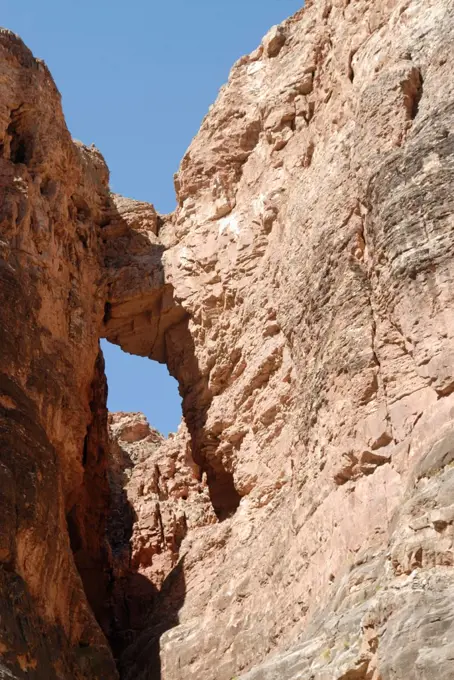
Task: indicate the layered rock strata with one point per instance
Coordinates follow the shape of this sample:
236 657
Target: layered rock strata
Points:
299 524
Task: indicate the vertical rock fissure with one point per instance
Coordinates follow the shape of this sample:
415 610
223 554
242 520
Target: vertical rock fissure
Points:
89 505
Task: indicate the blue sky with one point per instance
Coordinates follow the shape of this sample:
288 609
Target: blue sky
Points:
137 78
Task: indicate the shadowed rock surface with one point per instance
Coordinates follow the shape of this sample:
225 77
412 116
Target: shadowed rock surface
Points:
300 523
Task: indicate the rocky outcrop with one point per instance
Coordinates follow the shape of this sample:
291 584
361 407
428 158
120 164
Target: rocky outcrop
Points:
391 613
156 498
299 523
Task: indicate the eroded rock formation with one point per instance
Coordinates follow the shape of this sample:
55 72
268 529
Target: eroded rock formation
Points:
299 525
157 498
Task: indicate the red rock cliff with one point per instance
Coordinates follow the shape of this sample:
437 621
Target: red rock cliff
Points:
300 523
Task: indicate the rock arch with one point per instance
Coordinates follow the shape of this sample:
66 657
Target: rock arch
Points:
143 317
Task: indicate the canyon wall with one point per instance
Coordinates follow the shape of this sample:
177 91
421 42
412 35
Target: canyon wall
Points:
300 523
53 420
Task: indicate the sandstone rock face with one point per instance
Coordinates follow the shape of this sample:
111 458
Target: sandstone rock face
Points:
53 420
300 523
314 257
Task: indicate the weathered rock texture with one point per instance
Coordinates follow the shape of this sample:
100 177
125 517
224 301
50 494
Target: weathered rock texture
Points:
300 523
53 420
157 497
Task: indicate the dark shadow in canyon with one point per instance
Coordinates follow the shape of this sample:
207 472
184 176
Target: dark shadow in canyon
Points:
142 654
88 505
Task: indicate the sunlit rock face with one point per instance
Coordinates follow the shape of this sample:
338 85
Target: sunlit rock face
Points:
299 524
